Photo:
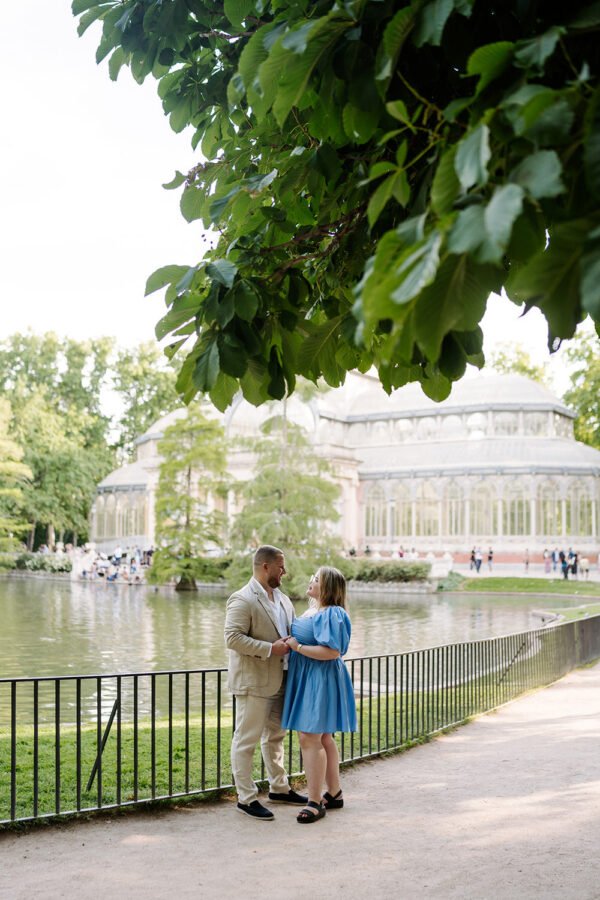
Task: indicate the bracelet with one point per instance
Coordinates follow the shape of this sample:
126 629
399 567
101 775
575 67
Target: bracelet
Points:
298 648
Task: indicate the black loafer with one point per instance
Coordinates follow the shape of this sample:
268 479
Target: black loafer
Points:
256 810
290 797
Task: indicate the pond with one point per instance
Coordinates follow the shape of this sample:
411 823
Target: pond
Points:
64 628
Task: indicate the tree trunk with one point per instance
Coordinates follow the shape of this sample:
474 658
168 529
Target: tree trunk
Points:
50 537
31 537
186 583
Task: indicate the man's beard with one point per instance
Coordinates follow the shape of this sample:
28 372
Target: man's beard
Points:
273 581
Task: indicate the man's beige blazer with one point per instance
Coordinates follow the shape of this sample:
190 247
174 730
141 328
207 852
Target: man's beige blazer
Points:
250 629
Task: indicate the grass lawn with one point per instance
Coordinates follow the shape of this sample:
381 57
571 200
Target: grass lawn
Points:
531 586
199 762
579 612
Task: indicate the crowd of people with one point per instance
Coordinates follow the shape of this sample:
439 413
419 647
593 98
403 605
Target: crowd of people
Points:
127 566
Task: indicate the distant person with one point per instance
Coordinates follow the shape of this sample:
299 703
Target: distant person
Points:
555 559
257 624
319 697
367 550
526 561
564 565
584 565
472 559
490 559
547 561
478 559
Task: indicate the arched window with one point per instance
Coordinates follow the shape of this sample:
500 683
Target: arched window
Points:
453 511
110 530
482 511
549 510
375 512
579 512
427 523
401 513
99 530
517 511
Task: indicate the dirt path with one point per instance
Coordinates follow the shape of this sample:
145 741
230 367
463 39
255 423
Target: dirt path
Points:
506 807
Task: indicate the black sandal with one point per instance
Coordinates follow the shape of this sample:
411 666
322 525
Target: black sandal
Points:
330 802
305 816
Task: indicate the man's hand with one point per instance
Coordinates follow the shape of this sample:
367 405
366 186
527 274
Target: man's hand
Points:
279 648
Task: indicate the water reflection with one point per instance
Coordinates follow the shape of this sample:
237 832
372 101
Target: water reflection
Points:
56 628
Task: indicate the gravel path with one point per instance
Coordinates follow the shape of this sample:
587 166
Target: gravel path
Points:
506 807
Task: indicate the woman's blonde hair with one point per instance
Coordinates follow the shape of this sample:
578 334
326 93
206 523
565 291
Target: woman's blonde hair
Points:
332 587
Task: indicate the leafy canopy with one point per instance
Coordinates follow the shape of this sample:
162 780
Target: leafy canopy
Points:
373 170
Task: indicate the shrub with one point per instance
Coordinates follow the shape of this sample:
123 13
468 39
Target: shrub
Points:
387 571
42 562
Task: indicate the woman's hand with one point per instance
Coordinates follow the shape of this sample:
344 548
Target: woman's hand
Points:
292 642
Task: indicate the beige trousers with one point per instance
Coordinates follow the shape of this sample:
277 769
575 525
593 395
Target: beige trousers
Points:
258 718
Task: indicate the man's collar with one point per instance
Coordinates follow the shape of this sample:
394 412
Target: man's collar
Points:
258 587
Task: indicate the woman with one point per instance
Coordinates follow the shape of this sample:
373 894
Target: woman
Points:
319 699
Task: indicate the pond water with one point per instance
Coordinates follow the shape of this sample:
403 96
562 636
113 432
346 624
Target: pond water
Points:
63 628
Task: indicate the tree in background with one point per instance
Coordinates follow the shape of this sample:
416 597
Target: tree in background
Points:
514 358
60 389
374 171
584 394
13 475
192 481
145 385
289 502
64 471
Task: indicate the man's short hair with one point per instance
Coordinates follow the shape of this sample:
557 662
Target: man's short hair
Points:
266 554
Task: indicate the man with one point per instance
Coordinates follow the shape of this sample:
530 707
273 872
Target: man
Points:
257 621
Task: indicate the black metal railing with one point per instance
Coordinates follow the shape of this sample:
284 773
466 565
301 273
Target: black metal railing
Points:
80 743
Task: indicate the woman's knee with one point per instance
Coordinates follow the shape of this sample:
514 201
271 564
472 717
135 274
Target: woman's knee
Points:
328 741
309 741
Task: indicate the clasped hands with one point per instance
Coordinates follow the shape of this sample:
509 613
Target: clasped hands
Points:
283 646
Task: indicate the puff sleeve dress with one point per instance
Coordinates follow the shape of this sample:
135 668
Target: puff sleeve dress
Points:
319 697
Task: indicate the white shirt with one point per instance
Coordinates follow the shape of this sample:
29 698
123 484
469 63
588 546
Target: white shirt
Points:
280 614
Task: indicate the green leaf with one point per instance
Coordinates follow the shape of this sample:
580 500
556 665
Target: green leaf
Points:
539 174
591 147
223 271
233 359
489 62
80 6
163 276
435 385
533 54
455 300
226 309
397 109
394 37
206 369
590 276
294 77
551 279
237 10
472 157
192 203
431 22
360 124
246 301
176 181
417 268
394 186
446 186
89 18
486 231
116 62
224 391
317 353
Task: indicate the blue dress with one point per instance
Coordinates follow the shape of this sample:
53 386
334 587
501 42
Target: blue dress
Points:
319 698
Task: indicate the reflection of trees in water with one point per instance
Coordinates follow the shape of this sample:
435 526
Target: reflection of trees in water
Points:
59 628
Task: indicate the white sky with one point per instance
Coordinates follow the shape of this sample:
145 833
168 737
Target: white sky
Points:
84 218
